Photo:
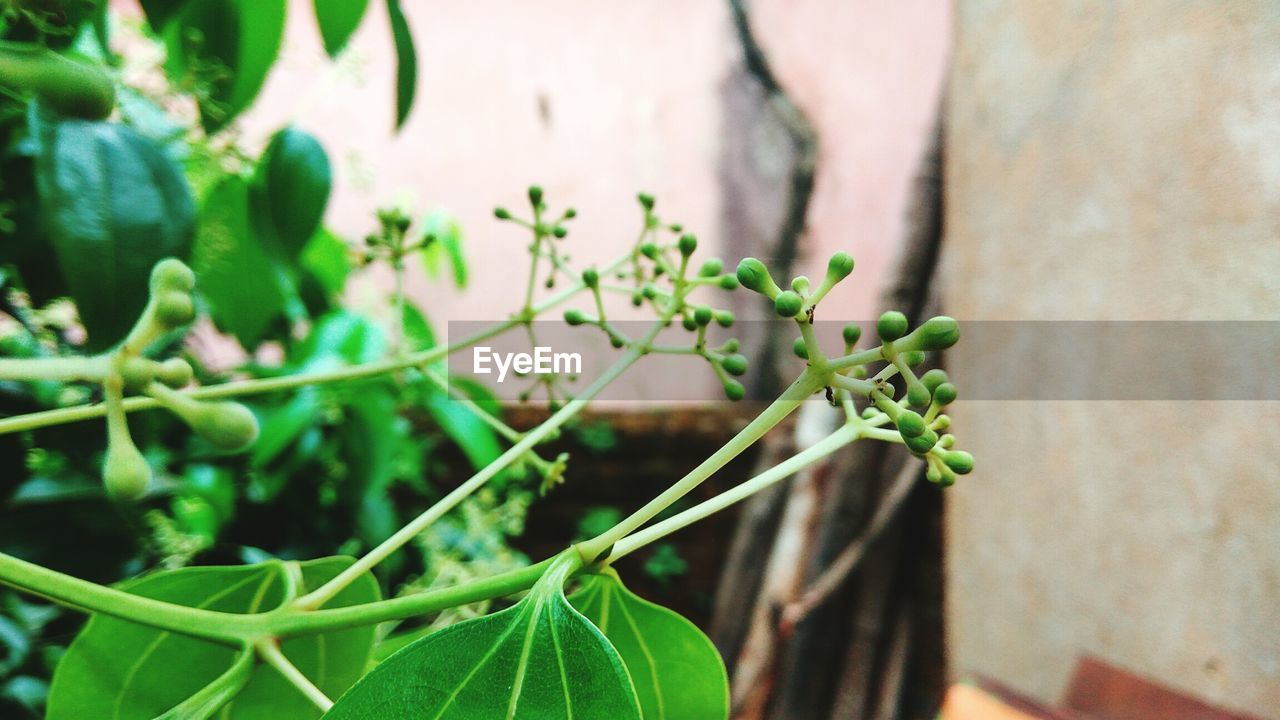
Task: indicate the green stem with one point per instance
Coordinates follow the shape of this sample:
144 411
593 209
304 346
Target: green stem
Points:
833 442
269 651
292 622
503 429
56 368
33 421
90 597
809 382
324 593
226 686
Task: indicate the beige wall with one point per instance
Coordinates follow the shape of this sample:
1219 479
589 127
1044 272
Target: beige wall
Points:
1116 161
634 93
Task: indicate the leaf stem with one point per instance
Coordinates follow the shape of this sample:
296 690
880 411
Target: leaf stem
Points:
843 436
809 382
325 592
269 650
56 368
206 701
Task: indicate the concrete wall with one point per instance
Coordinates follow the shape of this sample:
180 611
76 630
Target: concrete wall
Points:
1116 161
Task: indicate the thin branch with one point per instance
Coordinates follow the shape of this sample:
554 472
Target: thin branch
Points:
269 651
843 566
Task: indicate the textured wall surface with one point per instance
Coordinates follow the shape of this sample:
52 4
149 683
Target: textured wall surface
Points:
1115 161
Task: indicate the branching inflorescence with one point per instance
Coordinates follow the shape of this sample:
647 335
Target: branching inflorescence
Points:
876 386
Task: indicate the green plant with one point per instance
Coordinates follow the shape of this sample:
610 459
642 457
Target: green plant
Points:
457 669
286 638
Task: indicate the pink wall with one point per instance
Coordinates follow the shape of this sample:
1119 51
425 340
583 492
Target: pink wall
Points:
633 98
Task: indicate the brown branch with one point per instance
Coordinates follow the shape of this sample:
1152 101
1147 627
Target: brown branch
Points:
834 577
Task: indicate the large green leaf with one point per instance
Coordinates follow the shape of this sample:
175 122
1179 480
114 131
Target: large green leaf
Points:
114 205
538 659
289 192
676 670
338 19
120 670
236 276
227 45
406 61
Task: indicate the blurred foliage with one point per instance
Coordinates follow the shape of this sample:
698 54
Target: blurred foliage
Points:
337 468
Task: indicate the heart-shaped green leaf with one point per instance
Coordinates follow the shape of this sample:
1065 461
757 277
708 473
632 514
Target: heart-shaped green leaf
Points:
120 670
538 659
676 670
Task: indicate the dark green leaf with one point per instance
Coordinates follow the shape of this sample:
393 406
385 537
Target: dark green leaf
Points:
227 45
338 19
114 205
240 282
676 670
538 659
125 671
289 192
282 424
406 62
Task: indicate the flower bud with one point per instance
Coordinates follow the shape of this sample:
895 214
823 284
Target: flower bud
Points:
800 284
947 441
934 378
910 424
175 372
937 333
960 462
535 195
702 315
942 422
502 213
570 214
649 250
869 412
688 323
912 358
728 282
798 347
711 268
559 231
851 333
754 276
175 308
734 364
591 278
226 425
917 395
921 443
724 318
891 326
125 473
734 390
730 346
616 341
944 394
574 317
649 291
137 373
839 267
933 474
646 200
687 244
172 274
788 303
637 298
